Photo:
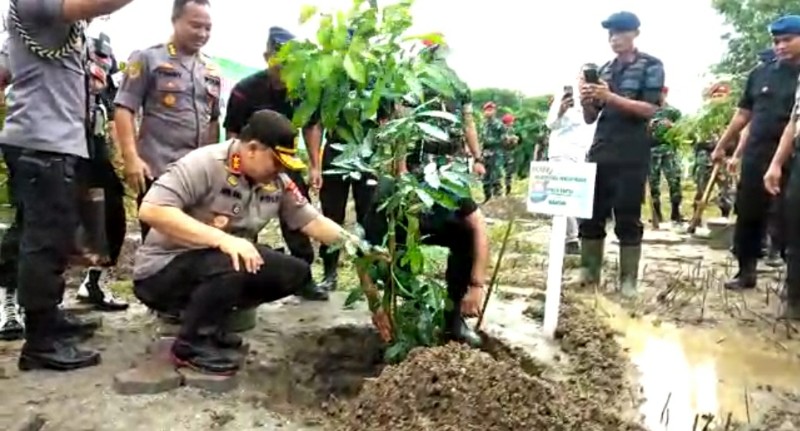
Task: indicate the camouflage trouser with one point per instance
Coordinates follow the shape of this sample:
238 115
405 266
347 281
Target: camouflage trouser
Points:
494 162
726 192
509 167
665 160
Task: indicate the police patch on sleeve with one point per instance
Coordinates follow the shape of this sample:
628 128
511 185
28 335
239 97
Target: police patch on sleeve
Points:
294 191
134 69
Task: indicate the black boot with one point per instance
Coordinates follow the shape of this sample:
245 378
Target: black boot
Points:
45 348
201 355
457 329
313 292
745 278
91 293
657 217
68 325
329 262
675 215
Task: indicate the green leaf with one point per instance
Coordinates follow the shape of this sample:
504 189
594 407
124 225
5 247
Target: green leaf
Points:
433 132
355 70
439 114
396 352
306 12
325 32
355 295
425 197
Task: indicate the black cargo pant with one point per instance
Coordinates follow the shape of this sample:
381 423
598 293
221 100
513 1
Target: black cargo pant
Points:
36 248
752 206
203 286
333 198
791 208
618 191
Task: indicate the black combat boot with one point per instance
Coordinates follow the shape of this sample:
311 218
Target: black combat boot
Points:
657 217
47 348
68 325
11 322
313 292
331 277
203 356
675 216
745 278
456 328
91 292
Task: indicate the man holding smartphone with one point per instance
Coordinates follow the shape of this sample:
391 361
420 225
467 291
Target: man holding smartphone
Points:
621 96
570 138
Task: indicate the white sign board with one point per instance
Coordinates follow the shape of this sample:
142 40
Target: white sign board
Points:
561 189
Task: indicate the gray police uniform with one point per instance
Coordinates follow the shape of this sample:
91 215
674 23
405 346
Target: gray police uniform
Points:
205 185
179 98
43 138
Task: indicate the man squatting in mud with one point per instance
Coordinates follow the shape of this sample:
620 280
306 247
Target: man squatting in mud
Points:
206 211
462 230
43 142
775 183
622 103
766 104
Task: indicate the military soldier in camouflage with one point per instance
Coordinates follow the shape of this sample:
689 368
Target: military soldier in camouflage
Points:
701 172
492 136
510 142
664 159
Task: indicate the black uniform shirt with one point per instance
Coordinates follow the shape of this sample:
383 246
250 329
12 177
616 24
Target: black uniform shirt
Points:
622 137
769 95
252 94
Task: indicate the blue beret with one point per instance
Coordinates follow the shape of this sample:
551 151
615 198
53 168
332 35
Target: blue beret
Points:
788 24
622 21
279 35
766 55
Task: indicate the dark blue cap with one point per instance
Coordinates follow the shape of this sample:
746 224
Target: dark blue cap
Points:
787 24
622 21
279 35
766 55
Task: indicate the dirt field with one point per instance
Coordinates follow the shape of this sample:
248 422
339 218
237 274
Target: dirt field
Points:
684 355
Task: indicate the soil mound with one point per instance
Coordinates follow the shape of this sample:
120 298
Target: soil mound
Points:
456 388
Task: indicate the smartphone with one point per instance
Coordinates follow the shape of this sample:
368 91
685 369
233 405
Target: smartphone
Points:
590 74
568 90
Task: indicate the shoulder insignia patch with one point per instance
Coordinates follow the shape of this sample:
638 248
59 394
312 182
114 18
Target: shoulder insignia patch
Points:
133 70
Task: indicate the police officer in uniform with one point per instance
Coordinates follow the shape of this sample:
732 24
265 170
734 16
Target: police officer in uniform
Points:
177 89
463 230
622 103
205 211
265 90
767 105
103 213
42 142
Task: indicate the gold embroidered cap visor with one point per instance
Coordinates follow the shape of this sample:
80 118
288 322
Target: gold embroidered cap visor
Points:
288 158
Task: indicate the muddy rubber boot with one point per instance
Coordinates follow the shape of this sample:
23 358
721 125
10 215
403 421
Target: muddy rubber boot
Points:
203 357
629 257
591 261
458 330
11 322
91 293
657 216
675 215
46 350
745 278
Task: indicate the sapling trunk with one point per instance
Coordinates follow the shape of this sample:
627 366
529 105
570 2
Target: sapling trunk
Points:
496 272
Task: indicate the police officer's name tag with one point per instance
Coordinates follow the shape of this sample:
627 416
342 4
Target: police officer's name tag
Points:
561 189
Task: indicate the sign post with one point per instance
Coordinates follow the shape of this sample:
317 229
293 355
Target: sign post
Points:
562 190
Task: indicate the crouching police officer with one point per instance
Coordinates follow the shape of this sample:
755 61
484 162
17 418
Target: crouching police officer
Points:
622 103
205 213
265 90
43 140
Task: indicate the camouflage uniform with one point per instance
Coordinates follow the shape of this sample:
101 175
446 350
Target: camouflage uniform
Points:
664 158
492 137
510 153
701 172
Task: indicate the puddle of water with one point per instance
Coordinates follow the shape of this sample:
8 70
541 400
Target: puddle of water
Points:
699 370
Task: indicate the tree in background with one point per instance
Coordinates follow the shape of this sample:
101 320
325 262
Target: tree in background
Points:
750 20
529 113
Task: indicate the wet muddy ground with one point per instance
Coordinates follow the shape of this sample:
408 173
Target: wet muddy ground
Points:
685 356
